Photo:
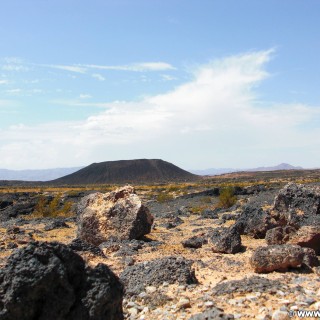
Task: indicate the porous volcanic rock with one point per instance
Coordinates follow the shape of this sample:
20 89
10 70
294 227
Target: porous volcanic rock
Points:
310 258
117 214
225 240
49 281
279 235
307 236
194 242
249 284
277 257
55 224
254 221
297 205
154 273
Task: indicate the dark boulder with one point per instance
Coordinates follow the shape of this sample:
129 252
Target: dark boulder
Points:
225 241
194 242
49 281
297 205
310 258
79 245
254 221
210 214
279 235
307 236
154 273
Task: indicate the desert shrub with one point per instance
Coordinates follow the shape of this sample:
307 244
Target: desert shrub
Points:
227 198
206 199
163 197
45 208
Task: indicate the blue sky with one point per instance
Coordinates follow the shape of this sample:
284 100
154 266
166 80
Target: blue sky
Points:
197 83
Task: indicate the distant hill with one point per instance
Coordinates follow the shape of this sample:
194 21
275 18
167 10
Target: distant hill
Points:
281 166
218 171
36 175
127 171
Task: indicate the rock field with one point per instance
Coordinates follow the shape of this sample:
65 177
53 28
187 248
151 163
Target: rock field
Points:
124 256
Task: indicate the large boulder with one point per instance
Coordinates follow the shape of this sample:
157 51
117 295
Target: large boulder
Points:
254 221
225 241
277 257
297 205
118 214
279 235
154 273
307 236
49 281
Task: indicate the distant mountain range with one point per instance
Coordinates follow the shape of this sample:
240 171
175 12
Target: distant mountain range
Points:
215 171
123 171
36 175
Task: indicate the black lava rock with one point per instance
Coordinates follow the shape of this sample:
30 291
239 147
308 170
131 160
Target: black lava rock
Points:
83 246
56 224
194 242
254 221
153 273
49 281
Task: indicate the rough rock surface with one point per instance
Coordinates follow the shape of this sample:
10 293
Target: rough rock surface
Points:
154 273
307 236
83 246
213 313
118 214
249 284
225 240
310 258
277 257
297 205
254 221
49 281
56 224
279 235
195 242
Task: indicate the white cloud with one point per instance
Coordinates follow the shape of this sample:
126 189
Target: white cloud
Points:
137 67
213 120
167 77
71 68
4 81
98 77
85 96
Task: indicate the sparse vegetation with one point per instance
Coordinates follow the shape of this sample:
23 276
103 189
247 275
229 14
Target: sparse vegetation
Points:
227 198
53 208
163 197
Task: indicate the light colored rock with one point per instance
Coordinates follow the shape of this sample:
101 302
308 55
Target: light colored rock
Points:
276 257
184 303
118 214
151 289
280 315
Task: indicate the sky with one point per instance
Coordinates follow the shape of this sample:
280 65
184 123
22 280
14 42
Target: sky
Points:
201 84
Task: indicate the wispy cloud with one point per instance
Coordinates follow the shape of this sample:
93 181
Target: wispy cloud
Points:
136 67
98 76
70 68
216 117
167 77
85 96
4 81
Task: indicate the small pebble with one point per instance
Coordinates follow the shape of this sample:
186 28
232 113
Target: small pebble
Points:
184 303
280 315
151 289
208 304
